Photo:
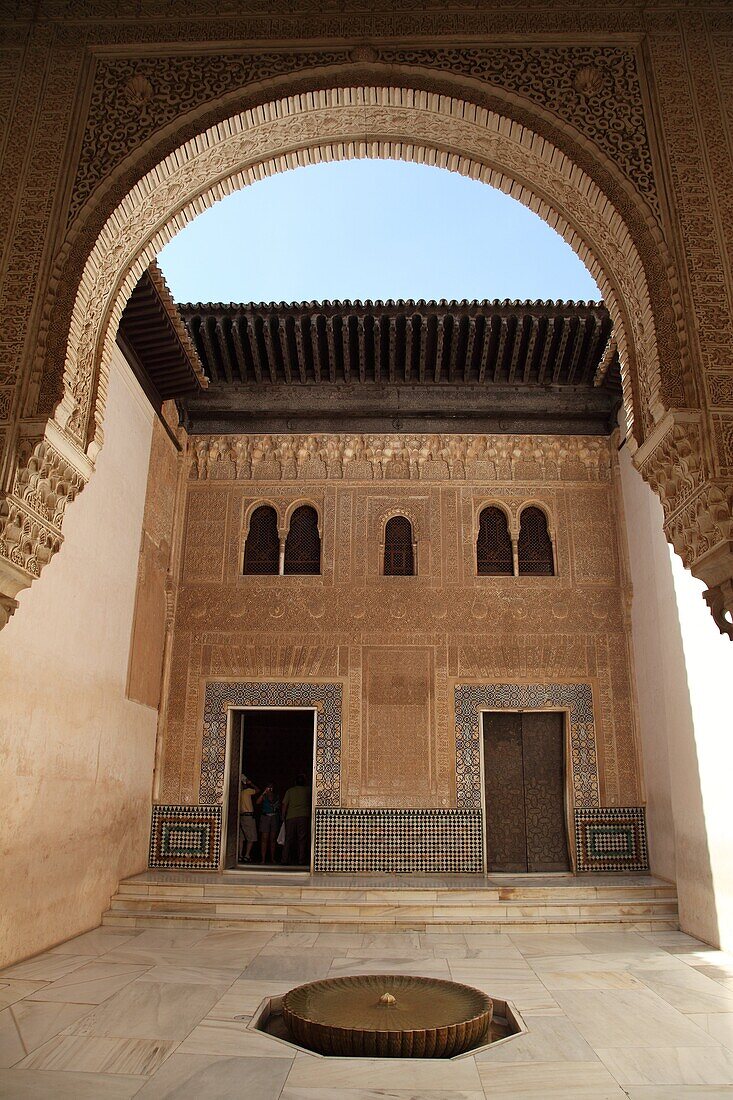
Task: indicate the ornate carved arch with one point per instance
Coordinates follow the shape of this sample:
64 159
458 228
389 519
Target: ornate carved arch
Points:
394 122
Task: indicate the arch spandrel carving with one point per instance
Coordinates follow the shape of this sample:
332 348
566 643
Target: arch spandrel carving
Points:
398 123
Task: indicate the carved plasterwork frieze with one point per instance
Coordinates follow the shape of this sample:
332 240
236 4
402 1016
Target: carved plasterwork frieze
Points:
399 458
596 90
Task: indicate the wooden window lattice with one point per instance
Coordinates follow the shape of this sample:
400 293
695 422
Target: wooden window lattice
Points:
262 548
303 544
399 556
494 557
534 549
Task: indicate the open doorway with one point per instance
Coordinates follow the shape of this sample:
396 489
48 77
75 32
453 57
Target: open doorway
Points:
273 749
524 791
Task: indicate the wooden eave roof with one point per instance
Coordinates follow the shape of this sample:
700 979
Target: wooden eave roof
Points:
273 363
156 342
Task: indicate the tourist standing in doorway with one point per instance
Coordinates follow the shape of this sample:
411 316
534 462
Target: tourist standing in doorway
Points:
247 824
269 821
297 811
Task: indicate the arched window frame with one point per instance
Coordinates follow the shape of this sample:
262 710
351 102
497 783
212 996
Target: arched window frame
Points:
400 513
303 502
512 527
251 509
541 507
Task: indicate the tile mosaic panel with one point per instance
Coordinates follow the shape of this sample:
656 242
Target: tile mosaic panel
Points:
326 699
611 838
185 837
577 699
428 841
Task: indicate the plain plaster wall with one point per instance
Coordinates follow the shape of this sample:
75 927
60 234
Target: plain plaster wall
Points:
77 756
683 676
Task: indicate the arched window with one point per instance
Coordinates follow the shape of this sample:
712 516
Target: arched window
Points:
303 544
399 556
534 548
494 557
262 548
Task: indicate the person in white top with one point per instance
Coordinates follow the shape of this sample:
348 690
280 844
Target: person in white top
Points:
247 823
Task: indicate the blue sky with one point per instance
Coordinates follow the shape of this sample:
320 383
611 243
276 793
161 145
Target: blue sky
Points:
370 229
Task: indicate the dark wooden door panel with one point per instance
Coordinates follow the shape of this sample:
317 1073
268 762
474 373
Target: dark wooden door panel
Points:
524 779
506 840
544 789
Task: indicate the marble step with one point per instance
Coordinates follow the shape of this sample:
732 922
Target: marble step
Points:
156 919
444 905
222 904
270 889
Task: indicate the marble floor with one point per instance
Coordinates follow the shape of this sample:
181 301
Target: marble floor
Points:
163 1012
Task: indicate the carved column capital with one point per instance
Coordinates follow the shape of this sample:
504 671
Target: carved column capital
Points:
49 472
698 509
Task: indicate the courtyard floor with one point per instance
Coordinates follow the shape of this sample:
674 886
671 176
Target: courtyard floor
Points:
162 1013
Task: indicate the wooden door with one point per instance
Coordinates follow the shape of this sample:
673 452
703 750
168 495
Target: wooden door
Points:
525 792
506 833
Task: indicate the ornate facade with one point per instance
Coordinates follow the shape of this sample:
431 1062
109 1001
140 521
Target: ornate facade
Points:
387 660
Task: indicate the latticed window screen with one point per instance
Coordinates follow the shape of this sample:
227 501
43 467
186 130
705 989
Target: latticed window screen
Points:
303 544
399 557
494 556
262 548
534 548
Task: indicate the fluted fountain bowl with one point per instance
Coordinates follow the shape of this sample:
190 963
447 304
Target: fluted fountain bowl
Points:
387 1016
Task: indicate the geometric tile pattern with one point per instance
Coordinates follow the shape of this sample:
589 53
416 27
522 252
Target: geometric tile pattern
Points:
429 841
185 837
576 699
611 838
324 698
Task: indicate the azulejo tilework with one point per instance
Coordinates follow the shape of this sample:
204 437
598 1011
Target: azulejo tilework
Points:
437 841
611 838
185 837
577 699
326 699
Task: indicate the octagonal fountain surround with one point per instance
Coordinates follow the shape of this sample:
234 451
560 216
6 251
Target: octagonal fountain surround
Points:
387 1016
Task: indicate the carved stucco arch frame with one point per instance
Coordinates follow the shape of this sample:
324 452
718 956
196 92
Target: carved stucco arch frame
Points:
389 122
403 513
396 123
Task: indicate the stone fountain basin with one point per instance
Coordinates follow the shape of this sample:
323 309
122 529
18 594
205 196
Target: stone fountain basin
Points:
387 1016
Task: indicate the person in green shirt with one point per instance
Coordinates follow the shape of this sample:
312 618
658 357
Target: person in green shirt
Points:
297 811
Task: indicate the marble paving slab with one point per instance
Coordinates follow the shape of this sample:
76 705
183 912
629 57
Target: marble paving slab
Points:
561 1080
15 989
201 1076
231 1038
23 1084
89 984
388 1073
151 1010
25 1026
628 1018
669 1065
99 1055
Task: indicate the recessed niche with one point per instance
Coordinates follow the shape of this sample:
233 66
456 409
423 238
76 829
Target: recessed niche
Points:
506 1024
